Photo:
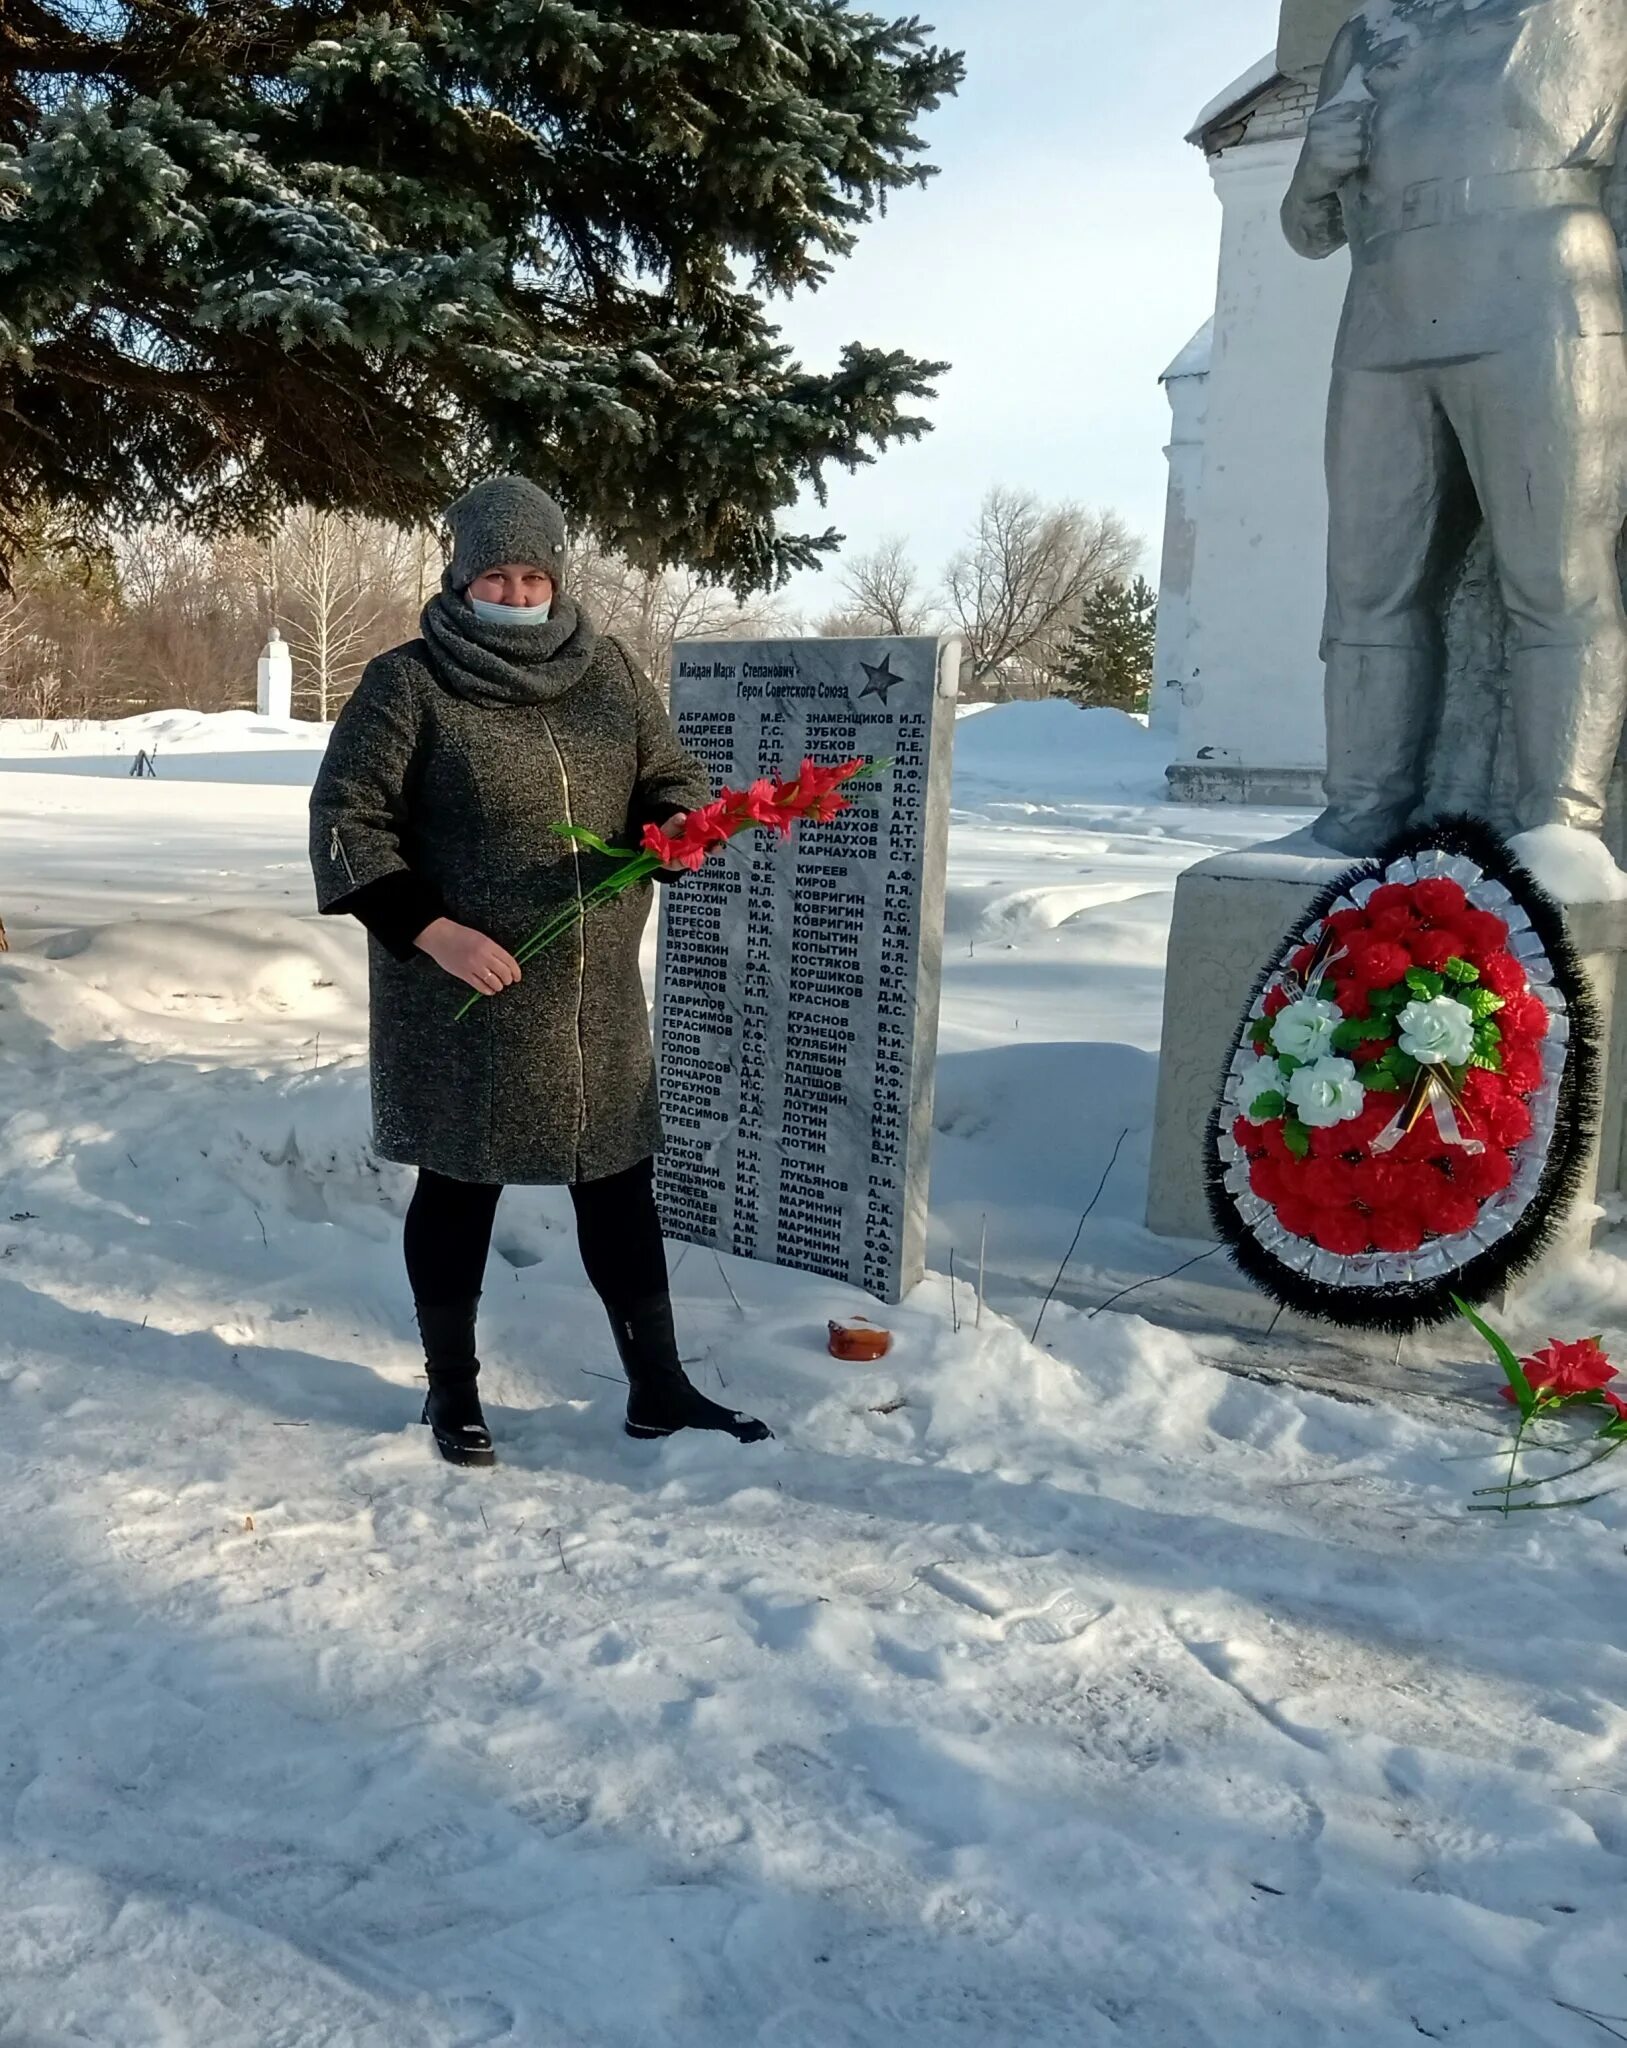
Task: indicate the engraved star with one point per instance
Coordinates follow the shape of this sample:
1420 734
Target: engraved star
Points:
881 680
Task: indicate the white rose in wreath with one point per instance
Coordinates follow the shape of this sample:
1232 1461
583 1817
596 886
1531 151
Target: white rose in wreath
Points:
1261 1077
1439 1033
1304 1031
1326 1093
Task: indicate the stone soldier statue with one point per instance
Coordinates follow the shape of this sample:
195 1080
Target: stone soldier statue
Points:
1461 148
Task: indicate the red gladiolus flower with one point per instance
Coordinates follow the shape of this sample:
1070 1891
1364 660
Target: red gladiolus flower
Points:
714 823
1391 896
1522 1068
682 852
1613 1400
761 805
1265 1178
1563 1370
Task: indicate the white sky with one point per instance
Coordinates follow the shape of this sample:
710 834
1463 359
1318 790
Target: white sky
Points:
1061 259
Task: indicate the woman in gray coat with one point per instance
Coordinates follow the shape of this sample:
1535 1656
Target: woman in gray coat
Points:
431 822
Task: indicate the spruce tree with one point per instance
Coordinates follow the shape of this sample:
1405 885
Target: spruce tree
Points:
1109 656
255 254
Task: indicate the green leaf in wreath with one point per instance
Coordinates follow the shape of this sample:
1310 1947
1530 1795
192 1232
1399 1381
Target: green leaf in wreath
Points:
1487 1035
1297 1137
1397 1069
1424 985
1288 1063
1264 1107
1261 1034
1380 1079
1348 1036
1464 971
1386 1001
1481 1003
1491 1061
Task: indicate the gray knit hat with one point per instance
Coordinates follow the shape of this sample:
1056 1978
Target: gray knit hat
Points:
505 519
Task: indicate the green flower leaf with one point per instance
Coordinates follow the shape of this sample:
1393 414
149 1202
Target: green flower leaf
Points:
1388 1000
1288 1063
1481 1003
1261 1034
1264 1107
1513 1371
1297 1137
1464 971
1424 985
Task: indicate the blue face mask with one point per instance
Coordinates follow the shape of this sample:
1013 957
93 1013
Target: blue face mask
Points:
509 614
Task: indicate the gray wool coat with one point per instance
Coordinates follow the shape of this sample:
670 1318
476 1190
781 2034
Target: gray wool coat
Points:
552 1081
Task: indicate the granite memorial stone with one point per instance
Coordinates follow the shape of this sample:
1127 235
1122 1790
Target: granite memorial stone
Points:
797 986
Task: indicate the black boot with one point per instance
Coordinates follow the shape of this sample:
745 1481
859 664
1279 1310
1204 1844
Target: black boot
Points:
452 1408
662 1400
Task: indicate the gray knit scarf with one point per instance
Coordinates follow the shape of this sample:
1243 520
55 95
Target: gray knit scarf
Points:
496 665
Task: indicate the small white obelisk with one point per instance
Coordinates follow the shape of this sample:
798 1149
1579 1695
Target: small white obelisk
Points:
274 697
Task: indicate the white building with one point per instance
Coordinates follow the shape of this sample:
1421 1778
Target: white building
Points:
1239 674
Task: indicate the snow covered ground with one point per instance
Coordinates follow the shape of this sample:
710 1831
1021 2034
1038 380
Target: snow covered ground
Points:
1079 1695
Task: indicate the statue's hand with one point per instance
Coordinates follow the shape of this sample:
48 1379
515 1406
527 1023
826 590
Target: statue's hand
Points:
1338 142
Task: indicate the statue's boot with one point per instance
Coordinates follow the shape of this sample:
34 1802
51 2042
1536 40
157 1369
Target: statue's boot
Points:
1567 706
1383 708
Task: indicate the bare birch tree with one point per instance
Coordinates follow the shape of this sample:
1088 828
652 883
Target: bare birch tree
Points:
1019 587
341 589
885 594
651 610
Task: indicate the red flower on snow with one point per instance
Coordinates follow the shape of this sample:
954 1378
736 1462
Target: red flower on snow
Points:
1561 1371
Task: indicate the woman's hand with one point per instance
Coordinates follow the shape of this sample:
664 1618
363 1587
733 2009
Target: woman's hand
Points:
469 956
674 828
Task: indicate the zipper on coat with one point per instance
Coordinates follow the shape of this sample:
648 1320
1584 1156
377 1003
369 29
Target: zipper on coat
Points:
581 949
337 853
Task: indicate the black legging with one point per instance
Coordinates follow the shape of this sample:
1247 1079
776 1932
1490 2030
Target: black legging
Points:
449 1225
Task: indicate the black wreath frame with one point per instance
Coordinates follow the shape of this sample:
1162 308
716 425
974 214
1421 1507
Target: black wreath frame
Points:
1412 1305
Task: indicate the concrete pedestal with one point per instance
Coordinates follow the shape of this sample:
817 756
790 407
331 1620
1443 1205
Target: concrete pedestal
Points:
1231 914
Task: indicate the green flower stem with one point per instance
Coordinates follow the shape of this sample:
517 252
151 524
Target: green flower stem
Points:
635 869
1553 1478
